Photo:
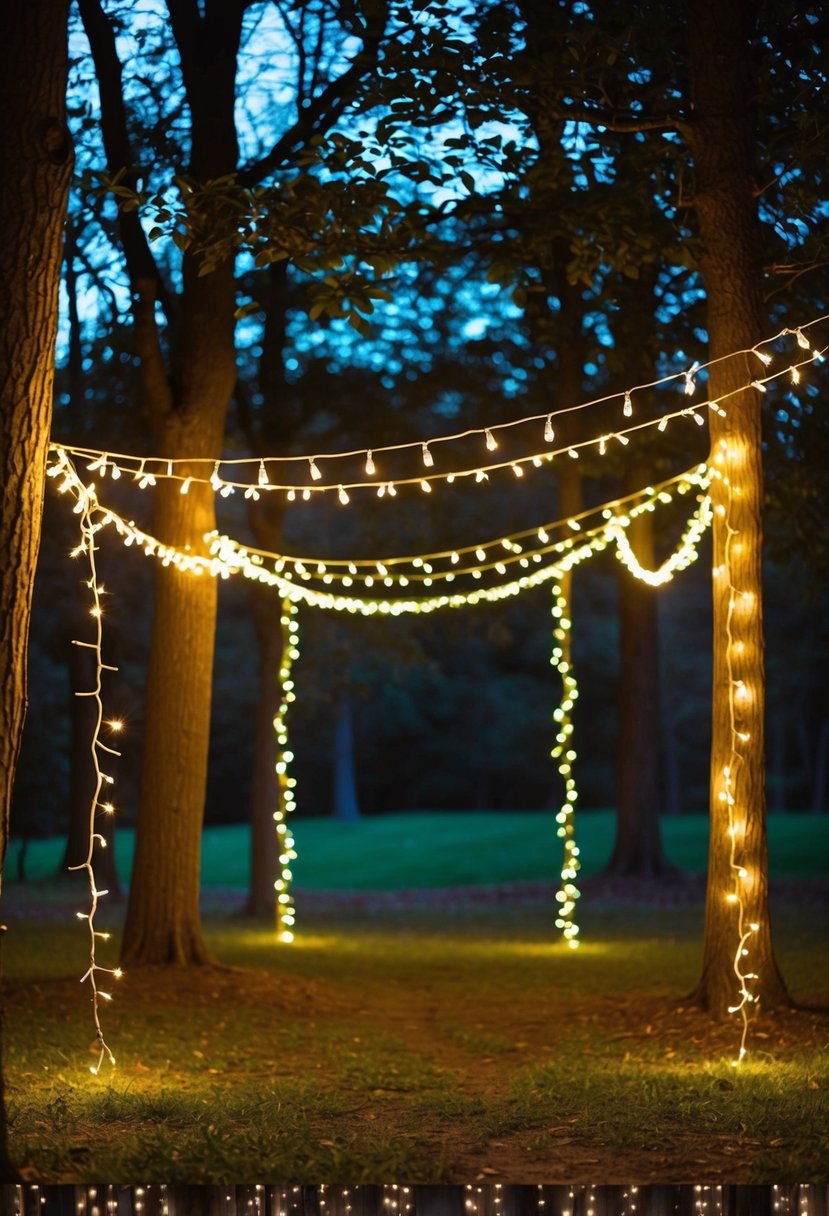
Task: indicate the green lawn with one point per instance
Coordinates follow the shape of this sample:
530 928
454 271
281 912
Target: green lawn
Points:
415 1045
421 1043
444 849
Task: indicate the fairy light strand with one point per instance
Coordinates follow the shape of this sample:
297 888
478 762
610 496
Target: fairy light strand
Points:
104 461
383 568
228 557
85 508
728 794
285 910
163 466
565 756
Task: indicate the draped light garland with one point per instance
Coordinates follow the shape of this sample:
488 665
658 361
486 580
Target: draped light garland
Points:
227 557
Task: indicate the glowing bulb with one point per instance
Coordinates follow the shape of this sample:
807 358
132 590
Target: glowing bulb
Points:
491 441
428 458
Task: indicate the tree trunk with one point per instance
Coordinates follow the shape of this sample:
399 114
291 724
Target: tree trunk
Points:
638 845
344 800
35 167
722 141
670 755
266 518
163 923
265 788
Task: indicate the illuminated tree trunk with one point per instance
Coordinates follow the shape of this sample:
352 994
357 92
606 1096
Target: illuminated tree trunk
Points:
722 141
35 167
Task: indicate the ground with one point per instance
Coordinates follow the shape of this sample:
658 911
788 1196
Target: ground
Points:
422 1036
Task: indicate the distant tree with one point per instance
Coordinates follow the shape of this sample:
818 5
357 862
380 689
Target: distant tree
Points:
35 166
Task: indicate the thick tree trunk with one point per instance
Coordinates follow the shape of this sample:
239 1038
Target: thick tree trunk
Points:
722 141
345 803
35 167
638 845
163 922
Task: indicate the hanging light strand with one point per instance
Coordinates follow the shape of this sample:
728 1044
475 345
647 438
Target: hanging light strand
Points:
285 910
165 468
85 508
565 756
739 696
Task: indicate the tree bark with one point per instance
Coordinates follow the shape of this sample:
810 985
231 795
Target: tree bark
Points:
35 168
722 142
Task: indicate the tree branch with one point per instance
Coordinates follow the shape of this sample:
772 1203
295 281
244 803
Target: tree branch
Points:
145 278
616 120
326 108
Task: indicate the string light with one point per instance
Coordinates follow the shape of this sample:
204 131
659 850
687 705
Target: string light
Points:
285 910
85 508
225 486
564 756
680 559
738 696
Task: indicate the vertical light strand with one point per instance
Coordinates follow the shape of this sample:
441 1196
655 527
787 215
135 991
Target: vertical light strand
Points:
285 910
739 696
564 755
85 508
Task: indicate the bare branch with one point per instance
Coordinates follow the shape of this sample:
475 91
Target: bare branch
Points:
325 109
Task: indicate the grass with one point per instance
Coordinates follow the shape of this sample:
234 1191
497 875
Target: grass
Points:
452 848
416 1044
